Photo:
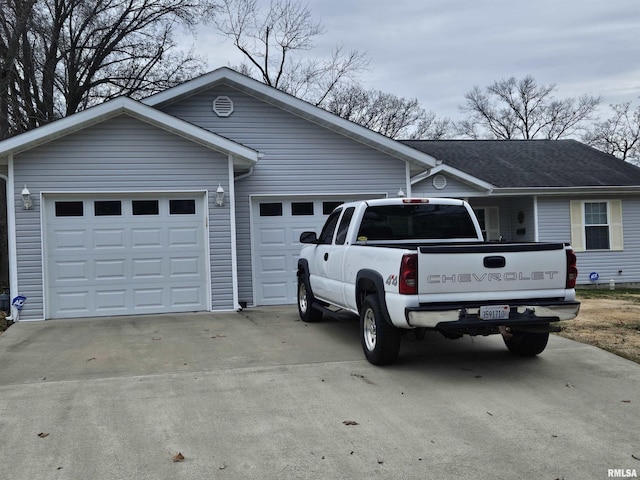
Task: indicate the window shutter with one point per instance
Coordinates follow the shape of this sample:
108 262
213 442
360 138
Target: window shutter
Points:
577 227
615 225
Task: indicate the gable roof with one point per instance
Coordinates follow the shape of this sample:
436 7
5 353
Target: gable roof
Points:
543 164
119 106
419 159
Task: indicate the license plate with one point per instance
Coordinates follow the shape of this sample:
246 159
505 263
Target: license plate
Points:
494 312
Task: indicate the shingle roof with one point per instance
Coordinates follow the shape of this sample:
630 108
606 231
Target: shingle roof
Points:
531 163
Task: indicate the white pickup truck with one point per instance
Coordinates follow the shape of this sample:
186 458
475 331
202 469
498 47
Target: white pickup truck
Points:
422 263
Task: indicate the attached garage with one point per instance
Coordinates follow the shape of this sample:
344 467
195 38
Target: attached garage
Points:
123 254
277 223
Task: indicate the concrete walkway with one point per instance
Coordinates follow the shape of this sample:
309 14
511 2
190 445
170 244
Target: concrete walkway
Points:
260 395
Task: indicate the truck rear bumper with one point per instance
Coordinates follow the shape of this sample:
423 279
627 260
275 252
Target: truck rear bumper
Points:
443 316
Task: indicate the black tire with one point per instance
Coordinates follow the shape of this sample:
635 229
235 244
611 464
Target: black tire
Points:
380 340
527 344
305 301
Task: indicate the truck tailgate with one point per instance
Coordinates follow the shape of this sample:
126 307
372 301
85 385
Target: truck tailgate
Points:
488 271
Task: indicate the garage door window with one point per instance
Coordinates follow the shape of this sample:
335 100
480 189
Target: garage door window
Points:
271 209
145 207
302 208
182 207
107 208
328 207
69 209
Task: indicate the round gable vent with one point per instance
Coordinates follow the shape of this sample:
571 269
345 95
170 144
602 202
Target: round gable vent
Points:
439 182
223 106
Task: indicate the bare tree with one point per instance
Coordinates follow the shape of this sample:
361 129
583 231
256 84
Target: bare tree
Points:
522 109
619 134
271 40
61 56
385 113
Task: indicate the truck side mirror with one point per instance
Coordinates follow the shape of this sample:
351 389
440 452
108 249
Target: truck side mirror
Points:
308 237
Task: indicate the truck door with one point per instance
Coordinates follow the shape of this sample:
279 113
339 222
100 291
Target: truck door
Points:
336 260
320 282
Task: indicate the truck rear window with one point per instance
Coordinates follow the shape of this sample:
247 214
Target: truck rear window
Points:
416 222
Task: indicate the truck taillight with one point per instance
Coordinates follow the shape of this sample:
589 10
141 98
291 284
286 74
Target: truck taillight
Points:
572 269
409 274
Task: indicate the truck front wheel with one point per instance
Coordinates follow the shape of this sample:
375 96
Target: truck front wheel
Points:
380 340
305 301
527 344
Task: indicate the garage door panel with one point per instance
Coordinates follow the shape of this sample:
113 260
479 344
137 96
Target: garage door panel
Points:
183 267
184 237
111 300
69 240
73 270
146 238
144 268
110 270
273 236
109 239
125 264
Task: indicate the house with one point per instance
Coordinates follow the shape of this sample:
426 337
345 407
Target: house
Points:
546 190
193 199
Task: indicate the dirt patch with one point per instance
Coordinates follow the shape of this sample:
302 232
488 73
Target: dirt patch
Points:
608 321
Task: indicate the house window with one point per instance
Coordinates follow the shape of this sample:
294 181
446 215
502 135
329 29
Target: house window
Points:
596 226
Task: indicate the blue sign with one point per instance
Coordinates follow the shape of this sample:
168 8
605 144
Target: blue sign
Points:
593 276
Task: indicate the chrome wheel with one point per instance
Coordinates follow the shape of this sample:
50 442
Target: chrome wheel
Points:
302 298
369 333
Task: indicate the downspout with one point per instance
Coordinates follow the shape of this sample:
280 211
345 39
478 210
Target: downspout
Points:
234 243
536 237
11 236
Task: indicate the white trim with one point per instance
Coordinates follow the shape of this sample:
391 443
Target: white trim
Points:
11 230
454 172
293 105
407 174
127 106
536 225
234 245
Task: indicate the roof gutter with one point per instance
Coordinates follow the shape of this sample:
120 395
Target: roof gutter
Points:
568 191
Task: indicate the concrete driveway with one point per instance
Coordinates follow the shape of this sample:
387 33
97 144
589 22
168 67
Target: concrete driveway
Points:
260 395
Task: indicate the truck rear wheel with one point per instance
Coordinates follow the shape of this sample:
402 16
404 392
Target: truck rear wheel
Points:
305 301
527 344
380 340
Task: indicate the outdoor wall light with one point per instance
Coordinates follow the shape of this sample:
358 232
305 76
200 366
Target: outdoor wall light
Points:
26 198
220 196
400 193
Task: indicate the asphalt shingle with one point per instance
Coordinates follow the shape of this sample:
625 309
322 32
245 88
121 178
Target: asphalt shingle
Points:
531 163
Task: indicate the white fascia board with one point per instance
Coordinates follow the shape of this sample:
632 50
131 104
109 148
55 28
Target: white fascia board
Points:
454 172
124 105
295 106
568 191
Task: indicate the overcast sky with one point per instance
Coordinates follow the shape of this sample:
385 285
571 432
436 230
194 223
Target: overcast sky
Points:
437 50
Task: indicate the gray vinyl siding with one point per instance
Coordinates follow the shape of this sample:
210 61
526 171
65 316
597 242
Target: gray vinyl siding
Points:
554 225
121 154
300 158
454 189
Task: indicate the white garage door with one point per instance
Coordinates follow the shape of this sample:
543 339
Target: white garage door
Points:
277 225
124 255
